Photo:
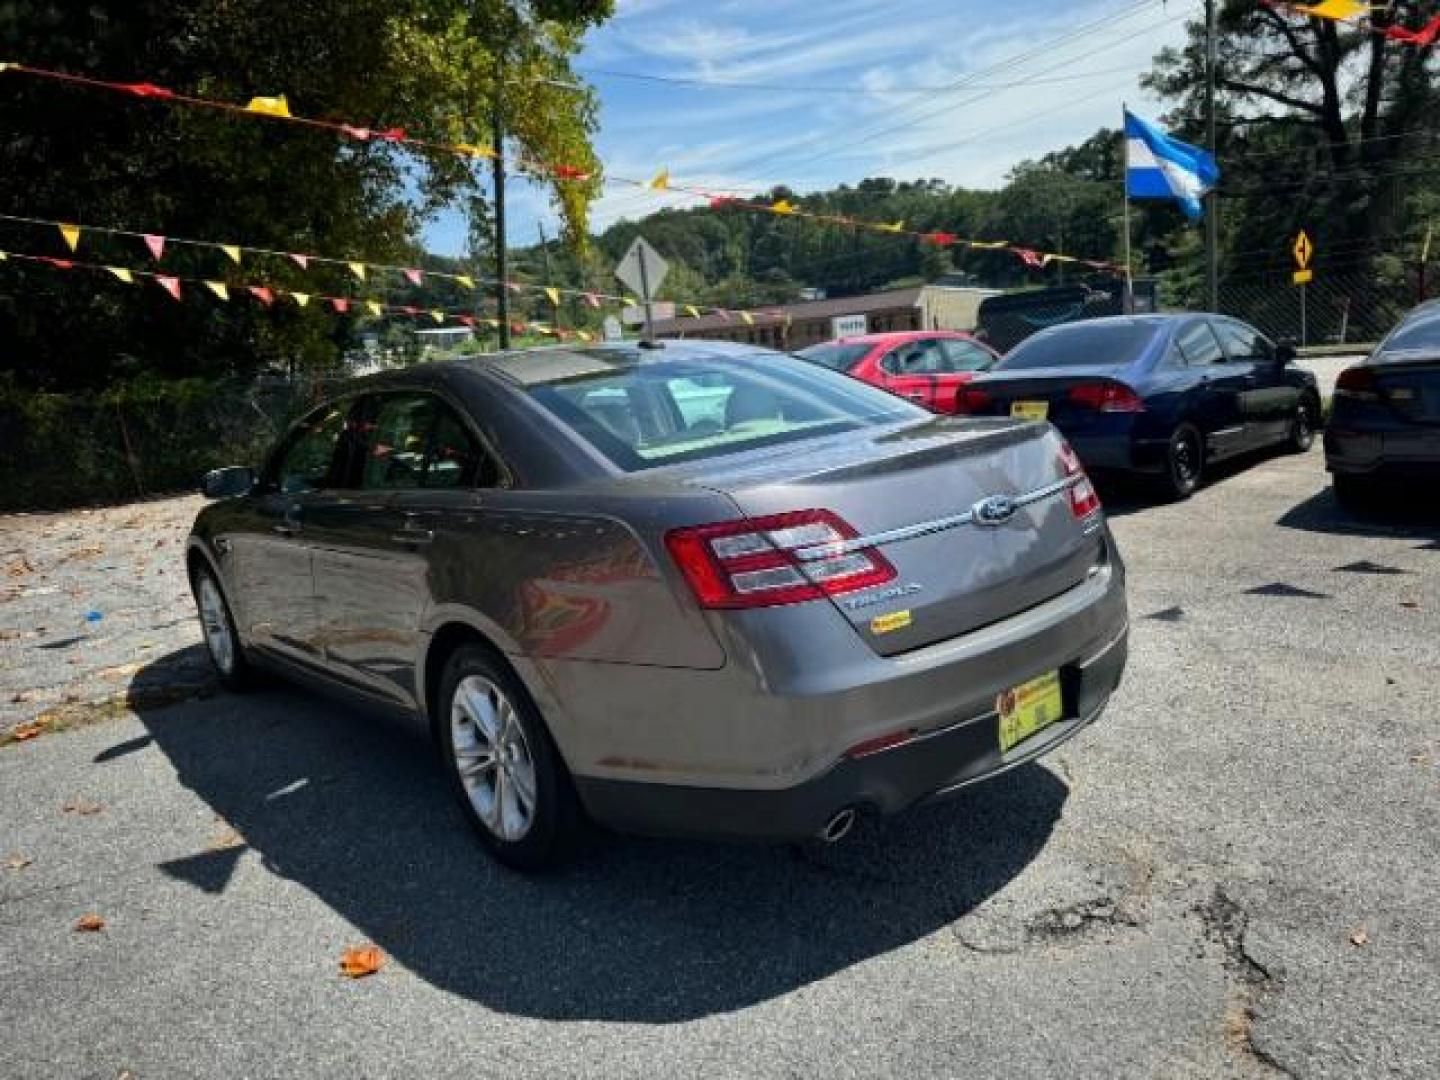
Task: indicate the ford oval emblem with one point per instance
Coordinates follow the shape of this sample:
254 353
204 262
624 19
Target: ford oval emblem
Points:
994 510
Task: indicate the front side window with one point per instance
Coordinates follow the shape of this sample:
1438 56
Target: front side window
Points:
308 462
415 440
1242 344
1198 345
915 358
657 412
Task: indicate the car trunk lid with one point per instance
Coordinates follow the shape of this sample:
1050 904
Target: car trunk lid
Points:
1411 386
912 495
1002 394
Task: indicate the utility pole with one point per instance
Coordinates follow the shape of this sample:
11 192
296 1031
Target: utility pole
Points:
1212 198
497 164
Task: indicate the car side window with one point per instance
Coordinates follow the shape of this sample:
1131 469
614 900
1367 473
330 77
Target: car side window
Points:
1199 346
961 355
309 462
414 440
915 358
1243 344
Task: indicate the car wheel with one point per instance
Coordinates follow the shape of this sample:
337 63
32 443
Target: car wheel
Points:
217 627
502 763
1184 462
1302 428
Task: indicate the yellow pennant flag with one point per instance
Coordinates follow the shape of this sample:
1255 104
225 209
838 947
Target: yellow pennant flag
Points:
494 324
1336 9
358 269
374 306
233 251
71 233
475 149
301 298
894 226
988 245
693 310
4 68
123 274
270 106
784 206
438 316
554 295
219 289
660 181
749 319
466 280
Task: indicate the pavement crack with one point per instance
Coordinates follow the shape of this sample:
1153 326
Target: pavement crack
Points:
1226 924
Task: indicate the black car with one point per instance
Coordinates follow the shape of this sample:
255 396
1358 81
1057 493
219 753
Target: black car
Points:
1385 417
1159 395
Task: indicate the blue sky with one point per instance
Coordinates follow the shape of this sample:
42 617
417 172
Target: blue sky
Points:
956 89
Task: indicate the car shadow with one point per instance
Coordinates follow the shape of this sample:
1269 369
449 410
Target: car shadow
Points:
352 807
1398 513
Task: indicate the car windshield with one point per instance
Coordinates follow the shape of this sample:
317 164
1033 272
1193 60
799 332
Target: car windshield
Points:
657 412
1421 334
1080 345
835 356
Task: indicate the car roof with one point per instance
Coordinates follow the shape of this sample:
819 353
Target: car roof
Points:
551 363
889 337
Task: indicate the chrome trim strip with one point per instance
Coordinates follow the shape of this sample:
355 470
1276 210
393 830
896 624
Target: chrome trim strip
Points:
925 528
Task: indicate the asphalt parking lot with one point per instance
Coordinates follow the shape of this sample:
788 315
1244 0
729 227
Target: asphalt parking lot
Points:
1233 874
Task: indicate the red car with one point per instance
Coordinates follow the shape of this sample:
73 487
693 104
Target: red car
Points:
926 366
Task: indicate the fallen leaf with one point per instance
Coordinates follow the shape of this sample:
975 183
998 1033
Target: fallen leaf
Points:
227 839
79 805
1419 758
29 731
21 696
81 553
90 923
20 568
1409 603
360 960
1359 937
18 862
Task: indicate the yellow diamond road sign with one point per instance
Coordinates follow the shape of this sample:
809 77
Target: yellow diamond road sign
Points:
1303 250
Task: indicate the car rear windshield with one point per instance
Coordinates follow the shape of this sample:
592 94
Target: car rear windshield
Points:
836 357
1422 334
1077 345
658 412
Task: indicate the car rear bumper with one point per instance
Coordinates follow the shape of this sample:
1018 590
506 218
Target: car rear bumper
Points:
933 766
1413 452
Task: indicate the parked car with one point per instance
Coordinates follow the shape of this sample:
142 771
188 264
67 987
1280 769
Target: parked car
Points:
1159 395
1385 413
612 597
927 366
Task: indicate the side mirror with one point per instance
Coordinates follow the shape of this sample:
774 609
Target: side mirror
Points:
228 482
1285 351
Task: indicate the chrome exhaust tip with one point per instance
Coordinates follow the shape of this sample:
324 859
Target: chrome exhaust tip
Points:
837 827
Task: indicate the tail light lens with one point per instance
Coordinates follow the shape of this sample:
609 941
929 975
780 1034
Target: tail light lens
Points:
1107 397
1358 384
971 400
1084 500
752 563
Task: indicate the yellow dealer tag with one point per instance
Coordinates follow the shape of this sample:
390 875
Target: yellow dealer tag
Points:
895 620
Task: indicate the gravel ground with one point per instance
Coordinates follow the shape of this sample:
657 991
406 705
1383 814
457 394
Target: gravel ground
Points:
1233 874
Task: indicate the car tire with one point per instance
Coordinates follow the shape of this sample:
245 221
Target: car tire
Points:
1354 493
1302 427
217 630
502 764
1184 462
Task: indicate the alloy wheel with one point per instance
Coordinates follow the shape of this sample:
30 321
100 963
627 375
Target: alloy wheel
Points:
493 757
215 623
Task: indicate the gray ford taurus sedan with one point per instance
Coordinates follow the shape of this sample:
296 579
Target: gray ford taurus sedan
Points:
689 588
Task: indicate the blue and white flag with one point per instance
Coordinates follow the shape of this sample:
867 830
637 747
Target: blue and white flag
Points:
1159 167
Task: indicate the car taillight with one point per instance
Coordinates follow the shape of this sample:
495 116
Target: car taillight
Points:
1358 384
971 400
753 563
1084 500
1107 397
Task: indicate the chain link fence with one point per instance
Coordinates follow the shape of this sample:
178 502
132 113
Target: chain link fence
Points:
1355 306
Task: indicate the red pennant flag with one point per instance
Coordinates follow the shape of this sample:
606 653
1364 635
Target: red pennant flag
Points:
156 244
395 134
941 239
262 293
468 320
592 299
414 276
145 89
571 172
302 261
59 264
1029 257
410 309
1426 35
169 284
513 287
719 202
356 132
517 327
340 304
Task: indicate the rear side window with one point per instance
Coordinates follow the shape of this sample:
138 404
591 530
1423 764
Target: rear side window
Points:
658 412
962 355
835 356
915 358
1080 345
403 441
1198 344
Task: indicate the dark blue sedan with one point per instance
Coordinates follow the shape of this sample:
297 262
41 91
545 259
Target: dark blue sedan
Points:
1159 395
